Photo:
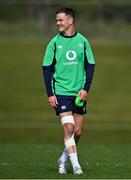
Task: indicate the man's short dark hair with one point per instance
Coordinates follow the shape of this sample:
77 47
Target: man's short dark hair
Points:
67 11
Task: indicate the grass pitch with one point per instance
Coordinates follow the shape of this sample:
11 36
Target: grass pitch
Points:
31 136
38 161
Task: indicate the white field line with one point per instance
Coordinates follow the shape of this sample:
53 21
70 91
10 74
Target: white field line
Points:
46 125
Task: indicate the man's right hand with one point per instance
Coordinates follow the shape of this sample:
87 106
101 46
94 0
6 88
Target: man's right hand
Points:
53 101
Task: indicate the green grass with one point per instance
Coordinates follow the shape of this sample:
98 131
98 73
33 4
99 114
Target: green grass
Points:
39 161
31 136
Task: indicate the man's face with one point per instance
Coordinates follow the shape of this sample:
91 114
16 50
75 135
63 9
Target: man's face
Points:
63 22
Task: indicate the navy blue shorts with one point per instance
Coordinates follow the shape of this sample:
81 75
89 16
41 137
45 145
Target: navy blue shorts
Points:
67 103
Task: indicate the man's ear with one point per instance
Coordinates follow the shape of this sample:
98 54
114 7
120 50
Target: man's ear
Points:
71 20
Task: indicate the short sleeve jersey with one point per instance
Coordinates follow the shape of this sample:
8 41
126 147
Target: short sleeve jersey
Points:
68 56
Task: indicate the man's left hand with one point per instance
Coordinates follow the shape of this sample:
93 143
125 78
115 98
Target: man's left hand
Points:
83 95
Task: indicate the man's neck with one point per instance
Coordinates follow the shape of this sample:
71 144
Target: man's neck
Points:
69 32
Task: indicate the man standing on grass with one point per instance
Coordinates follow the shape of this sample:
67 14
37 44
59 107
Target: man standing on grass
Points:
68 69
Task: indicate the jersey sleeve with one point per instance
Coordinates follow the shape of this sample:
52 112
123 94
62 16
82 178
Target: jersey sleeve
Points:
89 53
48 68
89 63
49 54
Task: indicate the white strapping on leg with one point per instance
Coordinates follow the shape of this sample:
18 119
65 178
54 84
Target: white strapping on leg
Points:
67 119
70 142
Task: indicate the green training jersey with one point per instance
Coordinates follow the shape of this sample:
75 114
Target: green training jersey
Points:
67 56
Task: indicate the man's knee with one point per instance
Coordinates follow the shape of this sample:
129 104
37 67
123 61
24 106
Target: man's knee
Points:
77 131
68 129
68 125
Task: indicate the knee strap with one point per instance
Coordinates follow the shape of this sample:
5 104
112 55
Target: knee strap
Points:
70 142
67 119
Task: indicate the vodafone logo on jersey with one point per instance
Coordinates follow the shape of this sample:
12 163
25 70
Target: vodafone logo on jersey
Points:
71 55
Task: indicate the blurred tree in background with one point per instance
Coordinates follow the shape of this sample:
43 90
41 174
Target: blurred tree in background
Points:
98 18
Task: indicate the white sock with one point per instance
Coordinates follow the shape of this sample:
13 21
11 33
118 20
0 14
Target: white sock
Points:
74 160
64 156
